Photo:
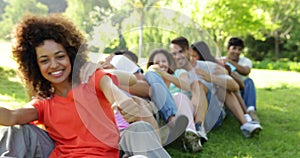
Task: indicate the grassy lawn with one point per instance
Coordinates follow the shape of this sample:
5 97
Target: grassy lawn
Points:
278 94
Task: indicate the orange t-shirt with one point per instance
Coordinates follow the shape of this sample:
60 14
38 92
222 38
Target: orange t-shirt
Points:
83 123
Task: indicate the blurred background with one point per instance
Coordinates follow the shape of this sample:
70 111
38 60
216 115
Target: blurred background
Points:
270 28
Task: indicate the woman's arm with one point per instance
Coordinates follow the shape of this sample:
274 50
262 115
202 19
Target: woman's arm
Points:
127 106
17 116
118 99
124 78
237 79
182 82
89 68
225 82
141 89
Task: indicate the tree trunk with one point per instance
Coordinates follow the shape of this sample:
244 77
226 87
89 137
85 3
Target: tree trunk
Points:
141 34
276 44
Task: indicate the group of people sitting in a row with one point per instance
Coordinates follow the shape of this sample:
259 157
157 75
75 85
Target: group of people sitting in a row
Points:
115 108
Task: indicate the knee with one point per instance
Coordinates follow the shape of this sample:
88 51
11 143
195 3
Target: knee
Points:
140 126
150 74
249 83
203 87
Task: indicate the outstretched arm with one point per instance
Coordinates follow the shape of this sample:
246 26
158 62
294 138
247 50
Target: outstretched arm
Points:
18 116
89 68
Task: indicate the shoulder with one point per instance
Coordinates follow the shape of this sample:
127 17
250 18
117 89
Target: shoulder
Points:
245 61
100 73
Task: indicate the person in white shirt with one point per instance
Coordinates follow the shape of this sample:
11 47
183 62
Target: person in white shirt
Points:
242 67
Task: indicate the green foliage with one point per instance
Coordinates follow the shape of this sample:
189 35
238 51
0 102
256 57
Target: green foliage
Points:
12 92
3 4
15 10
55 6
282 64
80 12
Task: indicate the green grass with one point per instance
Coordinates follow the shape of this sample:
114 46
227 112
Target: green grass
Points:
278 109
278 94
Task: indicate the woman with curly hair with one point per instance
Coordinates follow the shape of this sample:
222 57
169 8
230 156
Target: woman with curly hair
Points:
78 117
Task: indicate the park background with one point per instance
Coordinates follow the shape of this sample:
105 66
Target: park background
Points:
270 29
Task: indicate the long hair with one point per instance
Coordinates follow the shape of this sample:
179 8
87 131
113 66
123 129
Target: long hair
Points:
202 49
31 32
169 57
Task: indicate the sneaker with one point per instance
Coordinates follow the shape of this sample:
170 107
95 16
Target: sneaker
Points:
253 115
176 130
201 132
191 141
248 117
250 128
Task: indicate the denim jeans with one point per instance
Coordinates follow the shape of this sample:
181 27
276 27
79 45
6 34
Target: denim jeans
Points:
161 96
249 93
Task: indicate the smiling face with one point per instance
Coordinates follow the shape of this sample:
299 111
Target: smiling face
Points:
179 55
194 56
162 61
234 52
54 62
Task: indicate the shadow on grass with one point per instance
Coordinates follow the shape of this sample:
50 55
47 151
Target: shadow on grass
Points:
10 86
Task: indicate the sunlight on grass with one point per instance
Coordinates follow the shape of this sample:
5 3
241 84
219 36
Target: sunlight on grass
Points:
10 102
274 78
14 79
277 108
6 59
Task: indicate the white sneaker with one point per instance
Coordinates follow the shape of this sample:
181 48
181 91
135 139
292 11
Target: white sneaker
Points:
248 117
250 128
191 141
251 111
202 135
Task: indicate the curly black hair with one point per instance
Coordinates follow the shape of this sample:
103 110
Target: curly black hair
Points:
31 32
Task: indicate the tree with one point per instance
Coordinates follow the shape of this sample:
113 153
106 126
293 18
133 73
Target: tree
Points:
55 6
15 10
223 18
3 4
80 11
142 7
282 14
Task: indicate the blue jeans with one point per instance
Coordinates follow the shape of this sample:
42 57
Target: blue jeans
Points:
249 93
161 96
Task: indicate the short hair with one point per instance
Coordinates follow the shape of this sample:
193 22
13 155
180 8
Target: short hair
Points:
31 32
235 41
182 42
